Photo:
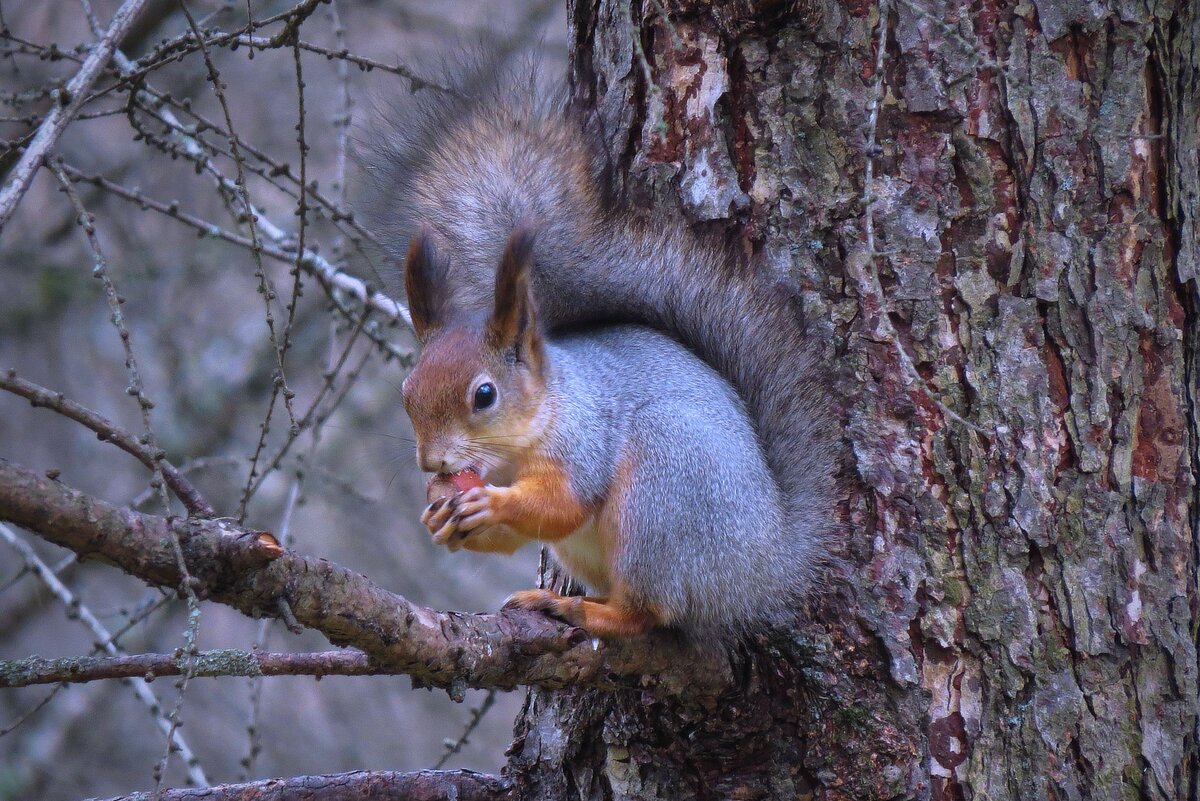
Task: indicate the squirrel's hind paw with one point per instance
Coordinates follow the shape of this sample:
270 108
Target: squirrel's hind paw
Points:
599 615
536 601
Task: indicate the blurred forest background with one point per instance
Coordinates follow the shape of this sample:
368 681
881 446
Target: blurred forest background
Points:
346 486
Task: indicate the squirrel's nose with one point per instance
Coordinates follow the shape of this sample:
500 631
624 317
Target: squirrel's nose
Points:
431 463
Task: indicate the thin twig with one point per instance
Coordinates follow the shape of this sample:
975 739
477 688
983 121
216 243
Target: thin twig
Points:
310 260
242 191
147 609
301 215
187 468
136 388
415 82
192 499
254 734
270 170
311 413
70 99
107 431
80 611
454 746
33 710
219 663
186 43
329 275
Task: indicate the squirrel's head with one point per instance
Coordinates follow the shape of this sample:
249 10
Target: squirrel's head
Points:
475 396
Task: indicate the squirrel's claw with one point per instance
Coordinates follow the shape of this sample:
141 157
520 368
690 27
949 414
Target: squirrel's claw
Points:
451 520
444 535
437 513
439 518
473 513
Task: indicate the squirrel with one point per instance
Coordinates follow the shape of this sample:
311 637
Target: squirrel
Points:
628 393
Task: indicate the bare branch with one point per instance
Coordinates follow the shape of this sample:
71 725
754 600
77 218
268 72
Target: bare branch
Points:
108 431
223 662
70 99
381 785
249 571
454 746
242 191
106 641
310 260
416 82
136 386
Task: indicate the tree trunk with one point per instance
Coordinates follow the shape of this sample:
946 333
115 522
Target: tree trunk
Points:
1019 614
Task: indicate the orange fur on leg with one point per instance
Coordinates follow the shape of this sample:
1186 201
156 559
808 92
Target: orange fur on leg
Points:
539 504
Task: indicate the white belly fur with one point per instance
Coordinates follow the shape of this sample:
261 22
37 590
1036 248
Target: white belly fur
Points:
582 554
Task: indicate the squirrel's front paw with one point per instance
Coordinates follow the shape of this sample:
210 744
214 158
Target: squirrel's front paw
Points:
452 520
439 518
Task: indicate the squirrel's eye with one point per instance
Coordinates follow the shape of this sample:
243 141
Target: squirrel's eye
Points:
485 396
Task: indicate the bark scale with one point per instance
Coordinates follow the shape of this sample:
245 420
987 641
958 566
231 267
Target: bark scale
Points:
1020 617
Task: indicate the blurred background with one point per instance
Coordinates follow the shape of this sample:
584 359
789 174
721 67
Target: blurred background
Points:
344 487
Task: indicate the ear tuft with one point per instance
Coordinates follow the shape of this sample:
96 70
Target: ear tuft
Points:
513 324
425 284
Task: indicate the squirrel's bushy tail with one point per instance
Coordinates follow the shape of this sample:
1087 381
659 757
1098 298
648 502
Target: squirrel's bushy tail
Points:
470 169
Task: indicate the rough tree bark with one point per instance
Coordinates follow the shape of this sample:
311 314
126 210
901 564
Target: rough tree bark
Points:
1020 607
1020 615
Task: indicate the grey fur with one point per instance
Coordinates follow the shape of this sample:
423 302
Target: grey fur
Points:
473 169
701 527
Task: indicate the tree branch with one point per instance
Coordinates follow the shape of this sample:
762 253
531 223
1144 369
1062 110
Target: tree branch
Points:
250 572
361 785
70 99
108 431
107 641
309 259
224 662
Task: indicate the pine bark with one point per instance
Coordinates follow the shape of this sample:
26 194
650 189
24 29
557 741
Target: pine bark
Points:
1020 612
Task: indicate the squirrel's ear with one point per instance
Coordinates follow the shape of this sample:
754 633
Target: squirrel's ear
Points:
425 285
513 325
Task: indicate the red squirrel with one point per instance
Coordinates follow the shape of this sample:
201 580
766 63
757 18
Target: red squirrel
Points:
626 392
